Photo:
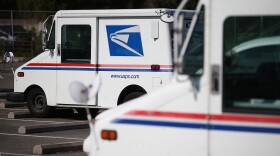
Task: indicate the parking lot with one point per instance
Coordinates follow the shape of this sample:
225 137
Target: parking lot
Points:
21 134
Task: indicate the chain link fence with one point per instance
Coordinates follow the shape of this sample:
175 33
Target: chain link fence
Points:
20 32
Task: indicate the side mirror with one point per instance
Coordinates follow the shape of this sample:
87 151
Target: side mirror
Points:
167 18
45 31
180 28
8 57
82 94
44 35
231 58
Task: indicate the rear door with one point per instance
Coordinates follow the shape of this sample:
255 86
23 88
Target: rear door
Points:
76 60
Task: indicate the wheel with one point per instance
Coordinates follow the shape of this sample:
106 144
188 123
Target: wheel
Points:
37 103
82 111
132 95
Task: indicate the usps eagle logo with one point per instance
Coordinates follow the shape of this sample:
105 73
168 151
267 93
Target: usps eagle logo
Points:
124 40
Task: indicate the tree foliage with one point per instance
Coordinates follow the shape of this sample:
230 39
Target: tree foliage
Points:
23 6
54 5
41 9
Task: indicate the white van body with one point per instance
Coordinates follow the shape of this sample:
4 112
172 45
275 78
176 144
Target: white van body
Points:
219 103
130 49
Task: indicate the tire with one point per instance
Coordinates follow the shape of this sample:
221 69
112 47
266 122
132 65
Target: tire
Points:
132 95
82 111
37 103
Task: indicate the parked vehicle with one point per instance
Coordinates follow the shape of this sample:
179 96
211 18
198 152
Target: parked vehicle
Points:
224 99
129 49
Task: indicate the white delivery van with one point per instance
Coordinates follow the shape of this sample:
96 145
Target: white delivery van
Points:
130 49
224 99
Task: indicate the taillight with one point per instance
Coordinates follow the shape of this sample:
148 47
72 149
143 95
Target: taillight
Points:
20 74
109 134
155 67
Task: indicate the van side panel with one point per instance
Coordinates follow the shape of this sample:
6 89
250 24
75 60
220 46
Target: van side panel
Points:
34 76
126 51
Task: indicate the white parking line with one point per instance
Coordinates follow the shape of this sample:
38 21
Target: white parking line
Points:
41 121
38 136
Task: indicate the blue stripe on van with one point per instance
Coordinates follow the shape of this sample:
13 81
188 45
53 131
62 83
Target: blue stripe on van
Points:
99 69
198 126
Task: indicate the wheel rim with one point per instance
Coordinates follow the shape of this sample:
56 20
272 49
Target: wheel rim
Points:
39 103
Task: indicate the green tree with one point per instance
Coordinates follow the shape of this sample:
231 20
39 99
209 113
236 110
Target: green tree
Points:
54 5
8 5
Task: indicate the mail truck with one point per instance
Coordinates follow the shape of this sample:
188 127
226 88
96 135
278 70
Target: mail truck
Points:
130 49
224 99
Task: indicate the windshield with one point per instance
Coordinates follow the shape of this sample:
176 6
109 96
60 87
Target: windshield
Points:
192 63
51 41
188 15
47 25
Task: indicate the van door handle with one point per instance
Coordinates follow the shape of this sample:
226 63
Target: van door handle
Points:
58 49
215 79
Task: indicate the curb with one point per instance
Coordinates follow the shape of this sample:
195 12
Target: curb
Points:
3 95
52 127
17 115
58 147
6 90
15 97
2 101
8 104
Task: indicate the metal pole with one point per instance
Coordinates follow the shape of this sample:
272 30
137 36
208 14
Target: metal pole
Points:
12 27
176 34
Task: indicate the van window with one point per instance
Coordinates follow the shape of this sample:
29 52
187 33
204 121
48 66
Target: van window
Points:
193 57
75 44
251 58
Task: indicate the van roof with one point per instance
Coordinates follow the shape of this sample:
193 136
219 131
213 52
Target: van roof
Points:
117 12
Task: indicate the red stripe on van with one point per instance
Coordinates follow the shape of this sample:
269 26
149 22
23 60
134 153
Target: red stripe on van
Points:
95 65
225 117
61 64
167 114
246 118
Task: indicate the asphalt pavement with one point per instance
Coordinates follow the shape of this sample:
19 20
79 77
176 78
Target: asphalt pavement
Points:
50 134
